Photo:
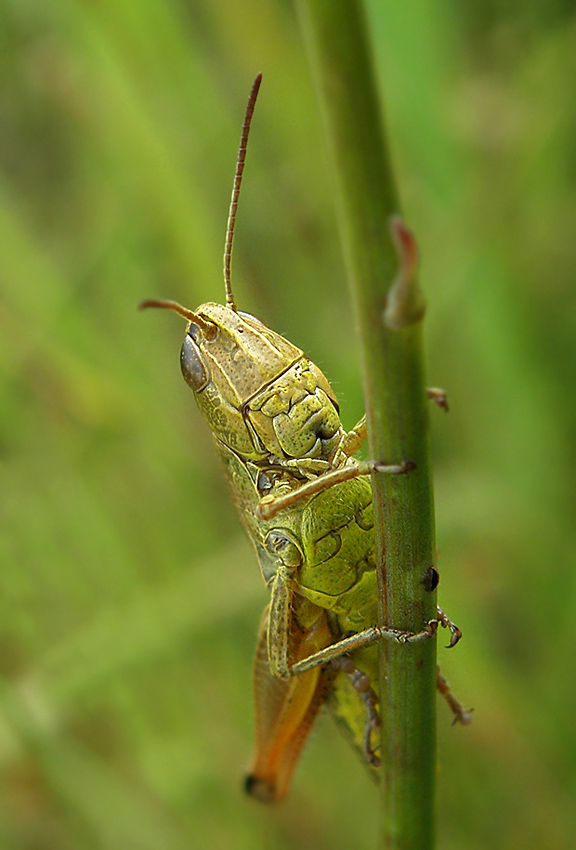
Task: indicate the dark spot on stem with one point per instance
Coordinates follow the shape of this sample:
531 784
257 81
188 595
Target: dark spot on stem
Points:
430 579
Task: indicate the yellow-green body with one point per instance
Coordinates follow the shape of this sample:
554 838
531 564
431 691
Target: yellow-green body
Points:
266 433
306 504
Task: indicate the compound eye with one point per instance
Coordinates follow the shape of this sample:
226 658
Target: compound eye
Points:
193 367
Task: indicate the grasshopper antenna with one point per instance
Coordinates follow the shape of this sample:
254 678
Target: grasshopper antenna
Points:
230 302
208 329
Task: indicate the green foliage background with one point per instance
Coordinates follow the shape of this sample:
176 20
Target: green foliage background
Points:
129 599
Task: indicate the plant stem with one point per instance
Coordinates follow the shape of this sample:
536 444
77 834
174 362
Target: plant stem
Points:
396 407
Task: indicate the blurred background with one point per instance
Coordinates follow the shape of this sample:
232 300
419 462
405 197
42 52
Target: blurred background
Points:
129 598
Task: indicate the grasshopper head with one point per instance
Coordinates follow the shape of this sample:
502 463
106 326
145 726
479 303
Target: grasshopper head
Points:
248 381
227 368
226 359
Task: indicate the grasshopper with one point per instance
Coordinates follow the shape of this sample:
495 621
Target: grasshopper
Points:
306 504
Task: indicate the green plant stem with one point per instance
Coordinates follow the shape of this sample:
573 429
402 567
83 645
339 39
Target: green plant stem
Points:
396 409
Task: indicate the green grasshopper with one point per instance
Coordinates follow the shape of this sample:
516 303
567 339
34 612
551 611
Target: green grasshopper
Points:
306 504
